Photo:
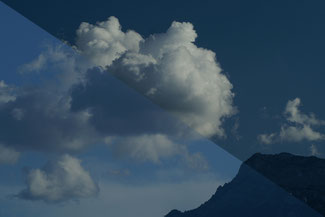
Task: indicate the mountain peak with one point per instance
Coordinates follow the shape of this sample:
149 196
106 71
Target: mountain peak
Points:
269 185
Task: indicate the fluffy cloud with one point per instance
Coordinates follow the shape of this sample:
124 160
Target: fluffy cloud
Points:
298 126
8 155
168 68
104 42
299 133
294 114
82 103
39 119
58 181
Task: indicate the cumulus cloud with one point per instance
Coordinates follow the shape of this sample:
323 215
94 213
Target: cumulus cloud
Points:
38 116
298 126
59 181
39 119
8 155
83 100
104 42
168 68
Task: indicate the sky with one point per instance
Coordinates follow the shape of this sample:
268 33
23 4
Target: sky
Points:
110 102
113 178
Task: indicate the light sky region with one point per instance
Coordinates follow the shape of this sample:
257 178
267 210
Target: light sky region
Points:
161 187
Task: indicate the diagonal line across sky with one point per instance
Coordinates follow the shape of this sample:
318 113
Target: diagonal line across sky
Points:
62 19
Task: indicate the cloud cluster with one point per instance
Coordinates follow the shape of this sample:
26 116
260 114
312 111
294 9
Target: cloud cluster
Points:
62 180
168 68
82 103
81 99
39 119
298 126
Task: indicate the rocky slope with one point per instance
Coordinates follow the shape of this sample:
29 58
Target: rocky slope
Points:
281 185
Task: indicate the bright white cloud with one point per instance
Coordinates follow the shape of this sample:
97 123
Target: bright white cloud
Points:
104 42
299 126
8 155
70 111
169 68
62 180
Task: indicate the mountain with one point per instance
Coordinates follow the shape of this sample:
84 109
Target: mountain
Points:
280 185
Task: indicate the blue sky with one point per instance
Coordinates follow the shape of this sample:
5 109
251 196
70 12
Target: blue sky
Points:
263 93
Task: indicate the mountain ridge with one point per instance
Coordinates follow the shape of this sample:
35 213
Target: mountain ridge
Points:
269 185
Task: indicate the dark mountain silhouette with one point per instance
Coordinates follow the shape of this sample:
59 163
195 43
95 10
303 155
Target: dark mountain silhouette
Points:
281 185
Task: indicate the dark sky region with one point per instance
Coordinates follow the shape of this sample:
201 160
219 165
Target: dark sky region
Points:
271 52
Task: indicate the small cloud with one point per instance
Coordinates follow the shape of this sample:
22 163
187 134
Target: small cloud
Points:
59 181
294 115
298 126
299 133
266 138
